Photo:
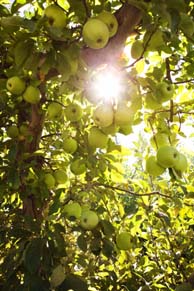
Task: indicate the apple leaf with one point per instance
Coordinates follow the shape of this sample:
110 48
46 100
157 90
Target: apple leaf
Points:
73 282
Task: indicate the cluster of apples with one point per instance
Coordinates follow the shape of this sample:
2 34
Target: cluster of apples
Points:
110 119
97 30
17 86
89 220
167 157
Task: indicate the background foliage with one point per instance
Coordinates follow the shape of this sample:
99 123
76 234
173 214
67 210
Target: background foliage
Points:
35 235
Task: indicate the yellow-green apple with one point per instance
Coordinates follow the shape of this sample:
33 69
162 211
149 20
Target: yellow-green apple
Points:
164 91
167 156
181 164
96 138
70 145
72 210
126 129
57 276
15 85
78 167
123 114
159 139
111 129
89 219
56 16
103 115
13 131
153 168
54 110
60 176
137 49
31 94
49 180
95 33
123 240
73 112
110 20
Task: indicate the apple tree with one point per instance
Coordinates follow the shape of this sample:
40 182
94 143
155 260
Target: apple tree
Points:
96 123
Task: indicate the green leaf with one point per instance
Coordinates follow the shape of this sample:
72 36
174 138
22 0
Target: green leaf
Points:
73 282
22 51
33 254
107 227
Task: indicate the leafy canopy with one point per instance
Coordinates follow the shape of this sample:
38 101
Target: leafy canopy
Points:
68 183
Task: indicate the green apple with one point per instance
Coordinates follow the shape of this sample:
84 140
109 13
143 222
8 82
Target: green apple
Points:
31 95
78 167
103 115
167 156
181 164
123 240
73 112
159 139
111 129
137 49
57 276
164 91
89 219
95 33
72 210
152 167
184 287
15 85
70 145
49 180
110 20
187 24
96 138
60 176
123 114
54 111
13 131
126 129
56 16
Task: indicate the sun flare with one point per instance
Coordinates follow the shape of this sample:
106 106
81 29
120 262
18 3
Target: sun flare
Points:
107 84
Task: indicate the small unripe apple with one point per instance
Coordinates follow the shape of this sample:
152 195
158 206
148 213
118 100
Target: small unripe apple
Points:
110 20
56 16
49 180
72 210
103 115
89 219
137 49
32 95
126 129
123 114
60 176
13 131
15 85
54 111
95 33
96 138
164 91
70 145
181 164
78 167
123 240
153 168
111 129
159 139
167 156
73 112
